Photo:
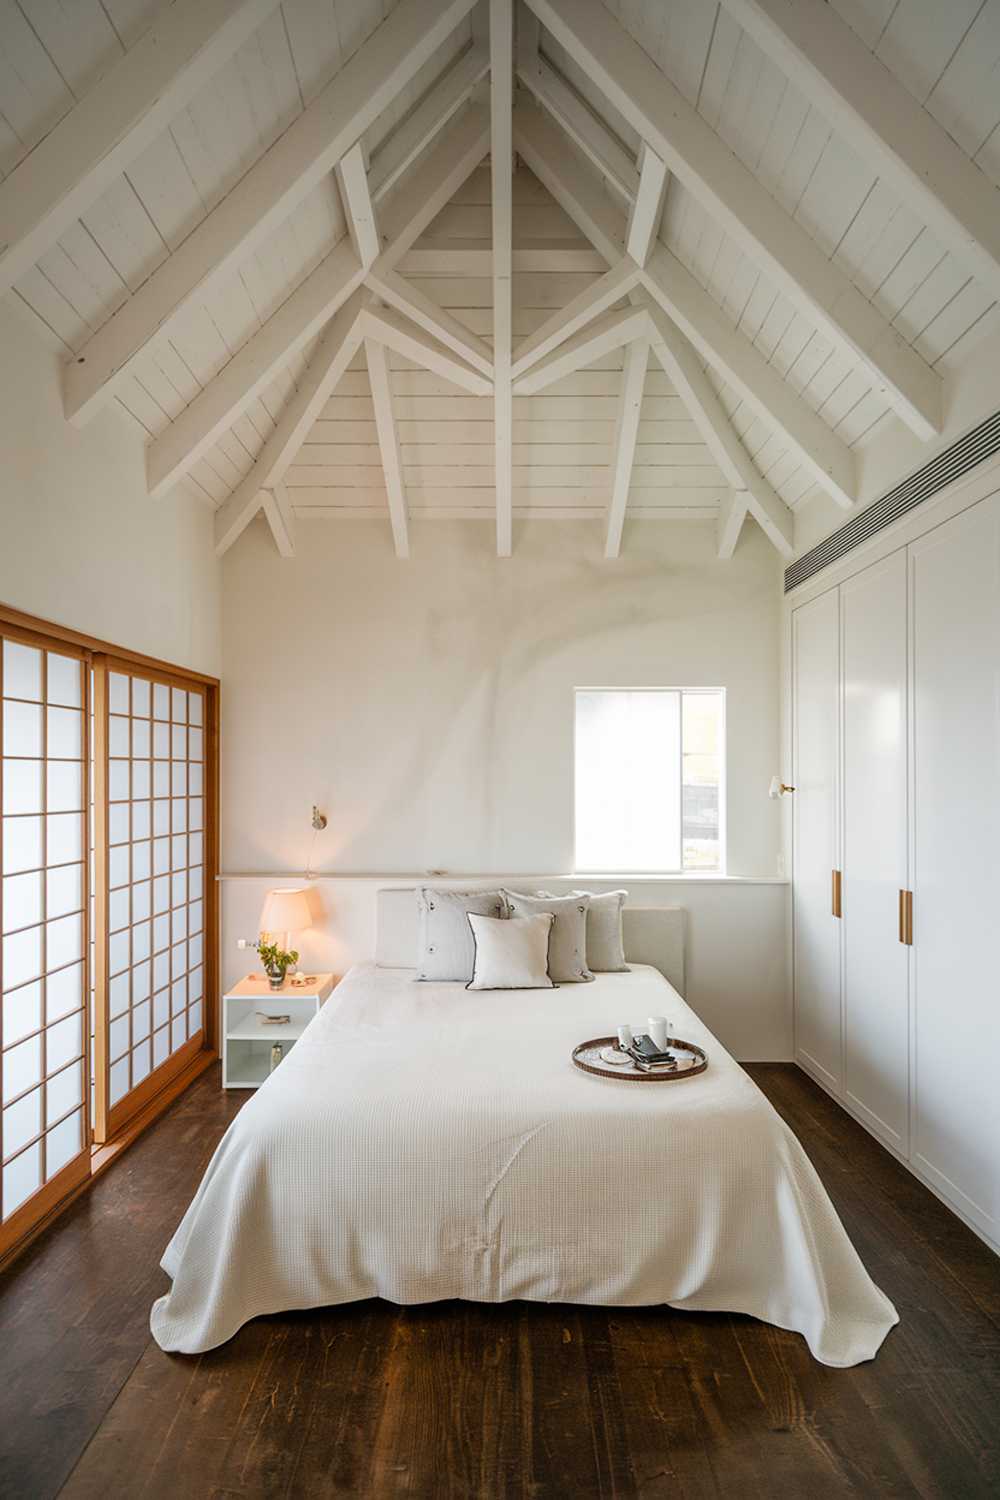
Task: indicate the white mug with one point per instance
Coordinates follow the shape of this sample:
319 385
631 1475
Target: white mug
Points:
624 1037
657 1031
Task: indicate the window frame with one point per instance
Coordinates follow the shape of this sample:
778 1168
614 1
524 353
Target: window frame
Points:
683 872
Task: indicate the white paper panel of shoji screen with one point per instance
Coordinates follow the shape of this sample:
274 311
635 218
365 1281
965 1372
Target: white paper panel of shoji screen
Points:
156 875
43 918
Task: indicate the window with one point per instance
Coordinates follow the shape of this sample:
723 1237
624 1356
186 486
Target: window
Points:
650 779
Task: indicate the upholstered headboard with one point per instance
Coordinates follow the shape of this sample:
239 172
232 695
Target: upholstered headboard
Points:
653 935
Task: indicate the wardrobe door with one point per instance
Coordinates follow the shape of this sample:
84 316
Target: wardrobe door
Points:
874 832
955 854
816 695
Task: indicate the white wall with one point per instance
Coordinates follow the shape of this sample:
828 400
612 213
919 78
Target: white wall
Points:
81 544
427 706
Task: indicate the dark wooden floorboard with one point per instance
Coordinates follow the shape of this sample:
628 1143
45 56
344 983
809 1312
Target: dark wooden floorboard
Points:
461 1400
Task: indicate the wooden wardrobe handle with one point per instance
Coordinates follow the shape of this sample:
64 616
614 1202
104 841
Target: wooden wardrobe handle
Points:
835 899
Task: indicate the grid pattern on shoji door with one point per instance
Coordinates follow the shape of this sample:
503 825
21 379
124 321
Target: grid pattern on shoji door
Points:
44 1127
151 870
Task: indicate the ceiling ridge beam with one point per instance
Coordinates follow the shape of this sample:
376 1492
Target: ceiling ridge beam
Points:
581 310
136 98
783 249
601 336
575 187
388 443
263 198
332 355
881 119
387 327
405 215
682 367
502 212
626 436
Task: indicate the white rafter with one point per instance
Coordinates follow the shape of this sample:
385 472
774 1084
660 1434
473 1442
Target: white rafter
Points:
693 151
359 210
751 491
396 332
589 132
264 197
869 107
388 443
433 319
277 508
626 434
502 171
644 220
405 214
556 162
186 44
587 305
331 358
600 337
416 131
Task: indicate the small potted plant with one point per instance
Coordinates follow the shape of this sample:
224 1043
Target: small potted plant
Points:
276 962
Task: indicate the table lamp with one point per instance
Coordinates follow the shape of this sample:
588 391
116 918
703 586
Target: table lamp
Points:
285 912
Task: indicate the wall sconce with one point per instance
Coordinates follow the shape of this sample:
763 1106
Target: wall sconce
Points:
778 788
318 820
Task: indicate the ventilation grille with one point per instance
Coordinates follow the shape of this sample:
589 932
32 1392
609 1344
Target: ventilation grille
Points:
970 450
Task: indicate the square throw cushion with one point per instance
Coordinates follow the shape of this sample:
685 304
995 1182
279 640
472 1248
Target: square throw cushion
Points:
568 944
511 954
605 941
445 949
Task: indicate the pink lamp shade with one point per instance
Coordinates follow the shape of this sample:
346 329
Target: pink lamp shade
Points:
285 911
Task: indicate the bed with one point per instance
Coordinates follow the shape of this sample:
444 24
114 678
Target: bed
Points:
423 1142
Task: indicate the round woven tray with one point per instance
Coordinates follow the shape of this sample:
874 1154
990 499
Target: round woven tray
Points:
587 1055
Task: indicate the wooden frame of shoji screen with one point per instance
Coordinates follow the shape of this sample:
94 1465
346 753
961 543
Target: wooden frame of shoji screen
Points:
114 1129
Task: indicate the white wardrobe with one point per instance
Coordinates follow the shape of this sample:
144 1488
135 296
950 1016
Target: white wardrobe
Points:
895 720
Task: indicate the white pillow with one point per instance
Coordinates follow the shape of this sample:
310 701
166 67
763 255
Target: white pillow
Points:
605 941
511 953
568 943
445 949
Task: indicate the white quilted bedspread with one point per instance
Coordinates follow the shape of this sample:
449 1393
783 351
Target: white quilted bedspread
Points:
423 1142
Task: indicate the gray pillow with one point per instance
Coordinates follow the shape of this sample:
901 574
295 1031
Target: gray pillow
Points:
445 947
605 943
568 941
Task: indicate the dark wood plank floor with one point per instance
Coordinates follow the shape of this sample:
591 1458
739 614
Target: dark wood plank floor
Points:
460 1400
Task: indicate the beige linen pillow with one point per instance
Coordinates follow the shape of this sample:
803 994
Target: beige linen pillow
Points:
511 954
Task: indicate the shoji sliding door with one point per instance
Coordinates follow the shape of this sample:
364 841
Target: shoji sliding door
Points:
45 1127
150 884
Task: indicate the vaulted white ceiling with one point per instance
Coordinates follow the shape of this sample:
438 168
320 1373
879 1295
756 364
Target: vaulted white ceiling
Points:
344 258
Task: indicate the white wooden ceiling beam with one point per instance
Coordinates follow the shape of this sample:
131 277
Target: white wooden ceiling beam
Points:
589 132
433 319
626 435
886 125
782 248
277 508
388 443
732 514
387 327
416 131
359 210
528 37
575 187
406 214
264 197
502 173
135 100
587 305
644 219
684 370
332 355
600 337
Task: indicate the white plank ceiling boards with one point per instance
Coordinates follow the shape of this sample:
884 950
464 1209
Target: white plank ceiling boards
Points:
493 260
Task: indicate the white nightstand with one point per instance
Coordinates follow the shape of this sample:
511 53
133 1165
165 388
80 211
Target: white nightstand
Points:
247 1040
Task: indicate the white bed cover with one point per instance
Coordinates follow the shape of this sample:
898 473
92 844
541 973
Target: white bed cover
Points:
424 1142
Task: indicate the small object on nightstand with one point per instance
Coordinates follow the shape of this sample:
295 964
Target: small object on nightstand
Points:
299 981
266 1020
277 1053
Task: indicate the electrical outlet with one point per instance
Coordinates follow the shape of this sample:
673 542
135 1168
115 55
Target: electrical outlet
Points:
242 943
